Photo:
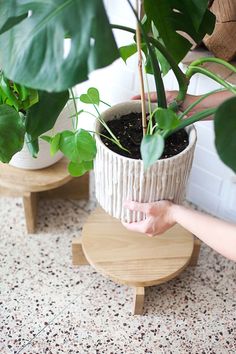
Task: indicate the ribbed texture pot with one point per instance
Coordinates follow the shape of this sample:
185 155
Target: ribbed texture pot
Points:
118 178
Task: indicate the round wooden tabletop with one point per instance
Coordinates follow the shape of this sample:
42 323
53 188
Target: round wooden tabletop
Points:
132 258
34 180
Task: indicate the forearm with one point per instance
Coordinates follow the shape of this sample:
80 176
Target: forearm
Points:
218 234
211 101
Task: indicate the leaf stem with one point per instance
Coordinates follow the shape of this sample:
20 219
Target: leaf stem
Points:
194 118
76 113
114 141
202 97
140 70
196 69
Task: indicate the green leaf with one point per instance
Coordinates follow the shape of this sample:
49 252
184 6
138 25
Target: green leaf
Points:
7 93
195 9
31 99
32 52
170 17
12 132
10 15
152 147
46 138
166 118
42 116
78 146
225 132
91 97
68 145
164 64
55 144
32 145
79 169
86 145
127 51
16 95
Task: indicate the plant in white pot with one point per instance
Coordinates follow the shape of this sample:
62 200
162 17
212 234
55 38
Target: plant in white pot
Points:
93 46
25 114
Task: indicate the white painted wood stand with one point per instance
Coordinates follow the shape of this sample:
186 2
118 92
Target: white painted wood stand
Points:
132 258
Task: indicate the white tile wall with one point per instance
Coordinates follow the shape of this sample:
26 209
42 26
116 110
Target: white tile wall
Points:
211 184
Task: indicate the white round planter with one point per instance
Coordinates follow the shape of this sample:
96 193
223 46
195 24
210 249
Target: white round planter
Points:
23 159
119 178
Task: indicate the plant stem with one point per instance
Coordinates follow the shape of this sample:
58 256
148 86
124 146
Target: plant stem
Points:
196 117
114 141
196 69
198 101
140 70
180 76
123 28
107 104
214 60
155 65
76 113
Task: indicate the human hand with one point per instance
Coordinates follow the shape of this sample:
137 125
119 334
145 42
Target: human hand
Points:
159 217
171 96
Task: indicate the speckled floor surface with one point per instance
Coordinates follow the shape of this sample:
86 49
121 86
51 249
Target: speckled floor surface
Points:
47 306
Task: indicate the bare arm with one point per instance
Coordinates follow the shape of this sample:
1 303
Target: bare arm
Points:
210 102
160 216
218 234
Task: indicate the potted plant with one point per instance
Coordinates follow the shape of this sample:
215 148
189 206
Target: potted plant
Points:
161 36
25 114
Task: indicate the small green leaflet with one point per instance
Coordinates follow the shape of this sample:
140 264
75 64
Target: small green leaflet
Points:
152 147
55 144
78 146
91 97
127 51
78 169
166 118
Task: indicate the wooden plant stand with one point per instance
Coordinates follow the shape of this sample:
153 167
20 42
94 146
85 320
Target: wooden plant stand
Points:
132 258
51 182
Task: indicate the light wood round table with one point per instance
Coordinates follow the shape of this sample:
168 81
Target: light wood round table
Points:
132 258
51 182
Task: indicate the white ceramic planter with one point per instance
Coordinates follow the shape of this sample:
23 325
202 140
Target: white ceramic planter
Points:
119 178
24 160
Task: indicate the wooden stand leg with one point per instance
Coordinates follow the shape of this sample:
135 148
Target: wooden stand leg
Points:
30 207
138 300
78 257
196 251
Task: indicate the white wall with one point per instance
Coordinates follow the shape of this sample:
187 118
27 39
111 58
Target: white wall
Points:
212 186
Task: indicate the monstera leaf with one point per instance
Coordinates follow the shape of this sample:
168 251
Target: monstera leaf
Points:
10 15
225 132
173 19
32 51
42 116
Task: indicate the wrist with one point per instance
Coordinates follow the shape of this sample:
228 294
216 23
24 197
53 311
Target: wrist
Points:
174 210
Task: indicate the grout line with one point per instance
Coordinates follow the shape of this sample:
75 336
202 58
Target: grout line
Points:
56 316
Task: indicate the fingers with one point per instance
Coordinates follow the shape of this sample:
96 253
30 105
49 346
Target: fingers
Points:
135 206
140 226
153 97
135 226
137 97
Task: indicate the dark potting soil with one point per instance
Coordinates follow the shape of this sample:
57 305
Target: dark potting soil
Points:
128 129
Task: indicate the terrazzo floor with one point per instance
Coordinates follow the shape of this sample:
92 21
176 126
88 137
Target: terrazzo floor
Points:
48 306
